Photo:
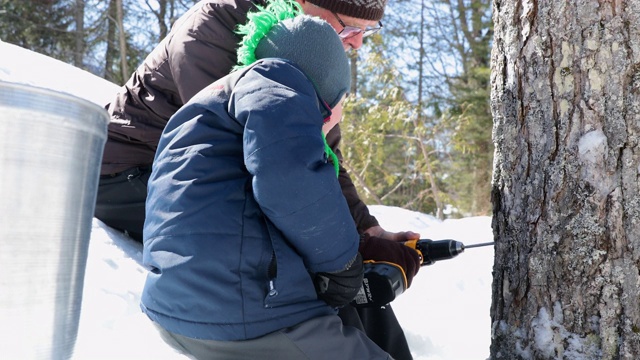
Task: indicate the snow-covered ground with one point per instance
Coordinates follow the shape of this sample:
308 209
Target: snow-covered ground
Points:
445 314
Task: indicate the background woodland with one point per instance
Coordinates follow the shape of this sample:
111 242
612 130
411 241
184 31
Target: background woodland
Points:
416 130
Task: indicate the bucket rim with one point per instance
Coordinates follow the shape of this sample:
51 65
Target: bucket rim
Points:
45 92
37 98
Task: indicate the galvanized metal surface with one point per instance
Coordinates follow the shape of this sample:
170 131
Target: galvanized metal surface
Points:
51 145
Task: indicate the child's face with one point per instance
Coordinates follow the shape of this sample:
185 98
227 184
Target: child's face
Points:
336 116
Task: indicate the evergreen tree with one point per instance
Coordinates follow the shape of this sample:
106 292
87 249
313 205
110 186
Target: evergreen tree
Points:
108 38
443 51
387 146
46 27
468 112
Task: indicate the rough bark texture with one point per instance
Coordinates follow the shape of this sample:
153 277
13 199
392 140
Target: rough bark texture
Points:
566 187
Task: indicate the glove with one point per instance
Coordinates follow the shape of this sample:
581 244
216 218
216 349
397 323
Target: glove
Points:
379 249
339 288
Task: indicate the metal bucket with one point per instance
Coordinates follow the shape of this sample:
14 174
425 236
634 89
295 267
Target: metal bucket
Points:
51 147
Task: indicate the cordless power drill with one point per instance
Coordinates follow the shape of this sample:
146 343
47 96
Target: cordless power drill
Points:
383 282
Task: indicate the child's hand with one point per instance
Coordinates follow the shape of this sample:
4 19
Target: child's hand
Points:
339 288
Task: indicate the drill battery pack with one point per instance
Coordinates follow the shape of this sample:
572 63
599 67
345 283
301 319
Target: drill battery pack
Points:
382 283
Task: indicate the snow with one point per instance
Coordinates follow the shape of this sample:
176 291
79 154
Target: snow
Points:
593 152
552 340
445 314
27 67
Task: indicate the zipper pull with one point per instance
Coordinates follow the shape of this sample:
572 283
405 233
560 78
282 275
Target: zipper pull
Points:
272 289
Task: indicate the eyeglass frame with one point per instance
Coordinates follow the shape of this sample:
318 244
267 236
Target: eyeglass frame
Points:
354 30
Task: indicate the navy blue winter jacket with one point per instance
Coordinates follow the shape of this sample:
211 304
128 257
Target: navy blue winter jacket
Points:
243 207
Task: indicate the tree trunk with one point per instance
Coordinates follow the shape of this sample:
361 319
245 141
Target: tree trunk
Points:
78 54
353 57
566 107
111 49
124 68
161 14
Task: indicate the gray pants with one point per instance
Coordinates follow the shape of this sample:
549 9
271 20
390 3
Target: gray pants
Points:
322 338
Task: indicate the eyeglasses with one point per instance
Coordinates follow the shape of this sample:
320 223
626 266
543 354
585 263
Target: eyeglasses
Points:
325 110
351 31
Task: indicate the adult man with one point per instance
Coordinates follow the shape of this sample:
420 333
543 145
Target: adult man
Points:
200 49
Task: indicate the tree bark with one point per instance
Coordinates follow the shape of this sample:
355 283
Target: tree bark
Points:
566 106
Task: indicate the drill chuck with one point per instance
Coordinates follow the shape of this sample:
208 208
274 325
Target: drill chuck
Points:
433 251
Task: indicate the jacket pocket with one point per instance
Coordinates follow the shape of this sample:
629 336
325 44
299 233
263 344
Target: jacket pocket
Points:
289 280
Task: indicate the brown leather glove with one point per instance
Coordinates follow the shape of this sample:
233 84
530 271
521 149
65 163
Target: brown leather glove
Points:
377 249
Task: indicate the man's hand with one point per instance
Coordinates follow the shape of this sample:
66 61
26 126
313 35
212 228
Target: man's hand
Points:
384 250
378 231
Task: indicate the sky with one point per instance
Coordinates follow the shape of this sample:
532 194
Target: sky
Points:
445 313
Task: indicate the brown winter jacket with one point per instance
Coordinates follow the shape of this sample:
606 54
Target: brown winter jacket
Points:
200 49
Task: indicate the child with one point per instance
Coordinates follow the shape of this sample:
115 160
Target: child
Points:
249 239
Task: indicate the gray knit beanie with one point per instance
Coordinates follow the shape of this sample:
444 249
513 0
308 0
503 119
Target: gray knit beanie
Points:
314 46
361 9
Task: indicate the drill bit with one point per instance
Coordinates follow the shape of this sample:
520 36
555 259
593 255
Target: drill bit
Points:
478 245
